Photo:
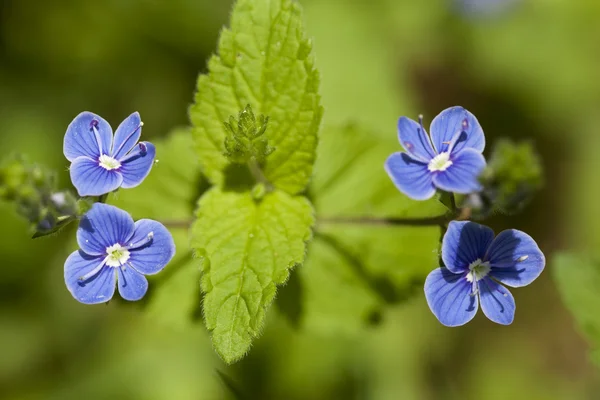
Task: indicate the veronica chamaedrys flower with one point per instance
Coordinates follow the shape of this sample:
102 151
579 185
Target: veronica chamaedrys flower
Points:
450 161
476 266
115 249
101 162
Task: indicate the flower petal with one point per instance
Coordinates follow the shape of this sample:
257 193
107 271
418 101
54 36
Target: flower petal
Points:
104 226
90 179
151 255
450 297
411 177
135 167
132 285
80 139
449 123
515 258
462 176
99 288
127 135
463 243
414 139
497 303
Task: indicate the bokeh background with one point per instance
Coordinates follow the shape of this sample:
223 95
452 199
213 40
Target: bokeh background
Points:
529 70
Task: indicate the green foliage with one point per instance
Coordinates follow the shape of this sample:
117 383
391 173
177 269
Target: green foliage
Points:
373 70
246 248
353 269
263 60
360 64
244 138
335 297
33 190
249 237
577 276
168 194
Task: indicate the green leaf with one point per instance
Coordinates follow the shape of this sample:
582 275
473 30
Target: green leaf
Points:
246 247
362 264
577 276
263 60
335 297
168 195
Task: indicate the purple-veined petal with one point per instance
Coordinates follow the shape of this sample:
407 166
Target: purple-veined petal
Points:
99 283
497 303
81 140
136 165
132 285
414 139
411 177
127 135
151 247
462 176
515 258
104 226
463 243
450 297
91 179
451 122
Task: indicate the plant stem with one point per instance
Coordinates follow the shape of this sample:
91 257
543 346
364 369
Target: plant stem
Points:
258 175
457 214
460 214
453 204
426 221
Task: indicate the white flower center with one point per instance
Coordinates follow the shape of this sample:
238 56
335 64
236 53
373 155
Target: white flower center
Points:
441 162
117 255
108 163
478 270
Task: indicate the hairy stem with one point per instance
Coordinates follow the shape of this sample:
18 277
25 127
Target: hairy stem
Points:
258 175
427 221
453 204
455 213
439 220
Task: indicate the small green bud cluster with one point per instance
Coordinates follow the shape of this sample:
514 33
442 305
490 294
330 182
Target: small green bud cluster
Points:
244 138
513 175
33 189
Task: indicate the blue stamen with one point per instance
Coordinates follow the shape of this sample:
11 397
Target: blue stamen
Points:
427 138
94 271
94 127
457 135
128 137
142 150
142 242
465 124
474 287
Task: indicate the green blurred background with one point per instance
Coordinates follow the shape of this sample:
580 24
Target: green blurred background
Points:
530 72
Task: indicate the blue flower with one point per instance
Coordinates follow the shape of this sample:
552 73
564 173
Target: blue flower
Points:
452 164
476 266
101 163
114 248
